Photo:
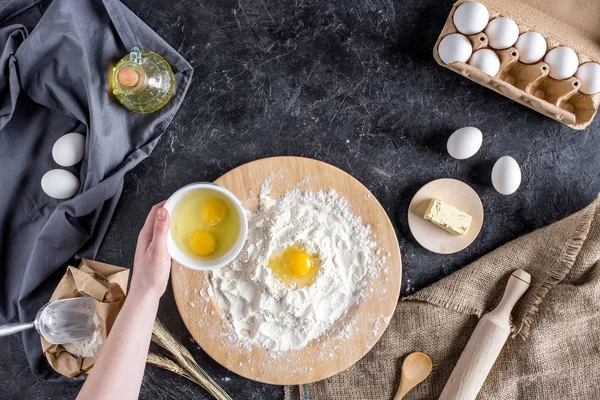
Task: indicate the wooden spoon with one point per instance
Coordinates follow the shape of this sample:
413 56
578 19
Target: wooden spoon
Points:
415 368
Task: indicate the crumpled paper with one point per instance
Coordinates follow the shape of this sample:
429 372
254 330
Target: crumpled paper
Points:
107 284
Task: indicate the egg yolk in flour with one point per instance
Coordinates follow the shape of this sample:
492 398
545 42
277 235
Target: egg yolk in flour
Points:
294 265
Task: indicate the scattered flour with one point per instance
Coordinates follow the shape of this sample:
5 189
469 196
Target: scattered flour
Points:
380 325
265 312
409 288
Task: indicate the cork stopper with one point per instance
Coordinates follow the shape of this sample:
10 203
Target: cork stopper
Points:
127 77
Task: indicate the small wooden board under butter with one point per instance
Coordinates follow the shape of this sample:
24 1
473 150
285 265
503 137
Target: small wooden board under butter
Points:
211 330
452 192
571 23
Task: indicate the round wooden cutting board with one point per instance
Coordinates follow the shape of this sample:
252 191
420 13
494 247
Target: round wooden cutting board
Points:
338 348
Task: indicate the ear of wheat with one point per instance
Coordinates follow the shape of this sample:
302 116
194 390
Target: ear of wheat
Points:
166 363
185 364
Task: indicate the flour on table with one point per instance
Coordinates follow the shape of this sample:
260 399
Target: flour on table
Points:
267 313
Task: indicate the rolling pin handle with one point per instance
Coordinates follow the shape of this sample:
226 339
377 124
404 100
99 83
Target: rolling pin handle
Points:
485 343
517 285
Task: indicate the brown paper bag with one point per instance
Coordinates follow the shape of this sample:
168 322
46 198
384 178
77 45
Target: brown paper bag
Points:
107 284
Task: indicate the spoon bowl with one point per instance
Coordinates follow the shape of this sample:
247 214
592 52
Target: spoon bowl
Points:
415 368
61 321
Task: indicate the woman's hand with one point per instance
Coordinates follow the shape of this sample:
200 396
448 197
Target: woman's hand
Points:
152 262
119 367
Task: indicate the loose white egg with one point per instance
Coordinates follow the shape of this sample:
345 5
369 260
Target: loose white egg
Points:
60 184
68 149
506 175
455 47
563 62
486 60
589 75
471 18
502 33
464 142
532 47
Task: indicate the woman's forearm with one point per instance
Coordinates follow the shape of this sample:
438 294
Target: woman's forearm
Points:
121 362
118 371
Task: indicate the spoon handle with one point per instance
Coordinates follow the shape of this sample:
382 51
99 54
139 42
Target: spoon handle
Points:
402 392
10 329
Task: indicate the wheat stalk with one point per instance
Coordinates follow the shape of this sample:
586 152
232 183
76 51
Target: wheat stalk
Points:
162 337
166 363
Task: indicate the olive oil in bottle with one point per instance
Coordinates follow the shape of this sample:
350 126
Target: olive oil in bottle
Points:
142 81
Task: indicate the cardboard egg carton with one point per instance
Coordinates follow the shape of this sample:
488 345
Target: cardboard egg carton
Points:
571 23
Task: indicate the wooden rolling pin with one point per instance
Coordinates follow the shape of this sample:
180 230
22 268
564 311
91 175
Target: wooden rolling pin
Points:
485 343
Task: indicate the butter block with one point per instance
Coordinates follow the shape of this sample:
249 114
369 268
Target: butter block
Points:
448 217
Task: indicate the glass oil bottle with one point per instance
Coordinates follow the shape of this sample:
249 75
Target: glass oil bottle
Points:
142 81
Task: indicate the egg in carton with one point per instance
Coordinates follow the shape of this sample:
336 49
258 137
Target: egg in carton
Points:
541 54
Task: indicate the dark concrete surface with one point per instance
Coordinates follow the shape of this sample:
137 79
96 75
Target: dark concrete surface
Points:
349 82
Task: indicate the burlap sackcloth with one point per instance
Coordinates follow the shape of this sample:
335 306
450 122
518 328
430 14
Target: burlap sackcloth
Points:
554 352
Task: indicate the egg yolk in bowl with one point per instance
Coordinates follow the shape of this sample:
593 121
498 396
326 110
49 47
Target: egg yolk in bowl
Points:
205 224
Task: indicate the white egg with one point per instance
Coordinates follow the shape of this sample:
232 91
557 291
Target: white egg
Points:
60 184
471 18
506 175
589 75
532 47
502 33
563 62
455 47
464 142
68 149
486 60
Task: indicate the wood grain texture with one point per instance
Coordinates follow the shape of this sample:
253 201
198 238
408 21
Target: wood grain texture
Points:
485 344
416 367
453 192
319 359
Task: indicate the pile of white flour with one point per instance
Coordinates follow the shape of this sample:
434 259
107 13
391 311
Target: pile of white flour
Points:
265 312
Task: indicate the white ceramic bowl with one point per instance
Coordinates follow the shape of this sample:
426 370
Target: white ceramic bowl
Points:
178 255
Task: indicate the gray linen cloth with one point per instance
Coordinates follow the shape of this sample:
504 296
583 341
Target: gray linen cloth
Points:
54 60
